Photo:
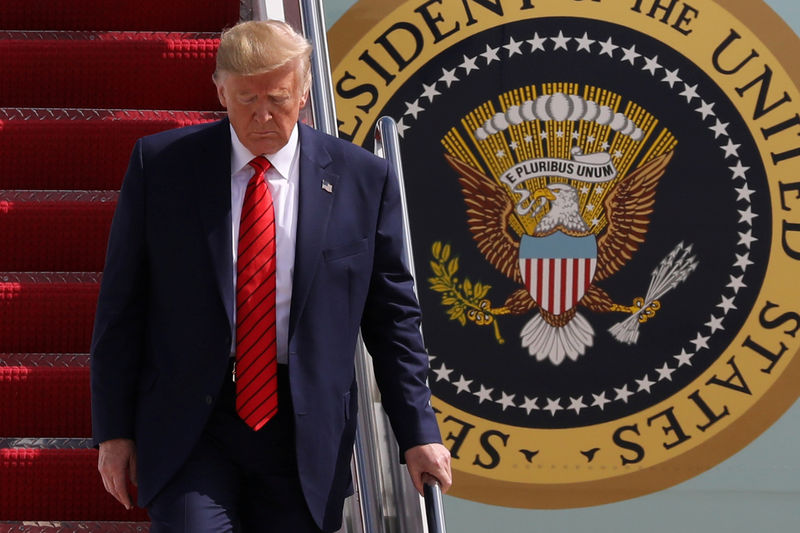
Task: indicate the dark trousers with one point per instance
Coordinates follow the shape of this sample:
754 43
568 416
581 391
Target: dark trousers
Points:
237 479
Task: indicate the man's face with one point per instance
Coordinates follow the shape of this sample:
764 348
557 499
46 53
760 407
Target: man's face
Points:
263 108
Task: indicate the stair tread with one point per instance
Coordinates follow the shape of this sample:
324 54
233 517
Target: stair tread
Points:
33 36
45 360
46 443
56 484
32 196
64 116
61 230
209 15
72 137
27 406
47 316
108 69
50 277
72 527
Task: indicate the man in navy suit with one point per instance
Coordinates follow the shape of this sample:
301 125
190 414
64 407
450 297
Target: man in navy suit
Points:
163 393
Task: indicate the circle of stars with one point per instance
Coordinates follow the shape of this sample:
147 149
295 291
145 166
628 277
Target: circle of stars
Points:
709 118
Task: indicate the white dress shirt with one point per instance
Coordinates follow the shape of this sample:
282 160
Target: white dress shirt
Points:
283 179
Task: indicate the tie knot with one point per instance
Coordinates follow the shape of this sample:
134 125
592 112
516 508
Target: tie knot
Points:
260 164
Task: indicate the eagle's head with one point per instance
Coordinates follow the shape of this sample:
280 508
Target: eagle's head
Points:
564 209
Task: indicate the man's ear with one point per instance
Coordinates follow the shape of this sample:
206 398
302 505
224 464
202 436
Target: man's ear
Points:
304 98
221 94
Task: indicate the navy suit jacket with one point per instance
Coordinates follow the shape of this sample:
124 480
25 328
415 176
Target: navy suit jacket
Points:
163 327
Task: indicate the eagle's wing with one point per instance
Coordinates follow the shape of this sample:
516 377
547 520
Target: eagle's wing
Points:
488 208
628 209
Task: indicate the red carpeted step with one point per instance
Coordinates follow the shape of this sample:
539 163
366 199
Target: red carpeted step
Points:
80 149
108 70
72 527
56 484
52 231
100 58
175 15
44 401
47 313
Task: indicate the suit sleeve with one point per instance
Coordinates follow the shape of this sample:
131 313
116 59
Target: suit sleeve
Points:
119 329
391 330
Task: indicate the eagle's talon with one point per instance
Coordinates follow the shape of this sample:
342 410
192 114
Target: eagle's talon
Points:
649 311
645 312
484 316
479 317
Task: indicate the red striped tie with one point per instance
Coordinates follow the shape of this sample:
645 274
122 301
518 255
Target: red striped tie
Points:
256 352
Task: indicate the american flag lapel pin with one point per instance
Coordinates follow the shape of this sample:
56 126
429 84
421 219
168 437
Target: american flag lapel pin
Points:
327 186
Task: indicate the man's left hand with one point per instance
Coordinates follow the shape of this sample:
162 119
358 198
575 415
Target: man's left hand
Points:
432 459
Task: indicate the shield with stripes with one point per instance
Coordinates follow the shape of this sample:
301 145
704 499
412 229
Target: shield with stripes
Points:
557 269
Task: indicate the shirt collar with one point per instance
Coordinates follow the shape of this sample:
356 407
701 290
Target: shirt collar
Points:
280 160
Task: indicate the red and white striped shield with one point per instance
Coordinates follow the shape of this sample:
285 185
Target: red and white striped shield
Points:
557 269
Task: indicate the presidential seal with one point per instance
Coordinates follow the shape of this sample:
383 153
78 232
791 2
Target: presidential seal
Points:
604 207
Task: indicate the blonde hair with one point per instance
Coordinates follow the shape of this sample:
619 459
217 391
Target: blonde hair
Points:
259 46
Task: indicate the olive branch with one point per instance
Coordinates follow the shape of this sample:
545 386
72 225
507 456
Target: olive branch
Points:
466 300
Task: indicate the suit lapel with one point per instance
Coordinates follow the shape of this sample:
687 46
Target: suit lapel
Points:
213 166
317 191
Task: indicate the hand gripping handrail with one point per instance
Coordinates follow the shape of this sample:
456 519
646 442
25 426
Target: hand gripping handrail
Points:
387 145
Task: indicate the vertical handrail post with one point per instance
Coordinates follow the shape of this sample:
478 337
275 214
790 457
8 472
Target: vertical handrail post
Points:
322 99
434 508
268 9
387 145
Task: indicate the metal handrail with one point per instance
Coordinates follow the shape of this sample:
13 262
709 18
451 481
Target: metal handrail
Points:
366 453
434 508
322 99
387 145
265 9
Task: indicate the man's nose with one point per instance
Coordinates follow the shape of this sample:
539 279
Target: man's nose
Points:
262 113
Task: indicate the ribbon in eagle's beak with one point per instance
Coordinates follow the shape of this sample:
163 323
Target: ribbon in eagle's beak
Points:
544 192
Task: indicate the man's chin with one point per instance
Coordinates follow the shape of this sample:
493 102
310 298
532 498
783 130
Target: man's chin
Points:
264 144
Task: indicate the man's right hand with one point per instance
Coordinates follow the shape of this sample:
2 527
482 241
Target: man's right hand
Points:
117 465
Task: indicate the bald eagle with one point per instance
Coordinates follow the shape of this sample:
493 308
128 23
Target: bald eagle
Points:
548 336
564 211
